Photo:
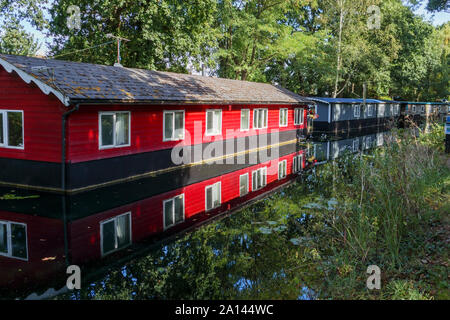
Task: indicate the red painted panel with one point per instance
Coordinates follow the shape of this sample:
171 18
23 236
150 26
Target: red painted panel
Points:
42 119
147 214
147 128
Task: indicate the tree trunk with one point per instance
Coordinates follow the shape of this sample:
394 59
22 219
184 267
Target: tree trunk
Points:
338 67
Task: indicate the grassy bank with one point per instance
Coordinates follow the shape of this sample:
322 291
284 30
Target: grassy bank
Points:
389 208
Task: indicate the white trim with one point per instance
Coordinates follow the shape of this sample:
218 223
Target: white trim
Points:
100 113
115 218
219 131
211 186
248 184
329 112
297 163
266 122
5 143
355 108
353 145
173 121
284 164
286 118
164 211
302 117
28 78
9 239
248 120
263 171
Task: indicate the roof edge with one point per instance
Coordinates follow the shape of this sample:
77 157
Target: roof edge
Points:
45 88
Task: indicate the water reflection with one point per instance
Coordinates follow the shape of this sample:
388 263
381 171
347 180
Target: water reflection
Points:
261 252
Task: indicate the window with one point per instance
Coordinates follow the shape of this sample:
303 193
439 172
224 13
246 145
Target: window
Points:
297 163
243 184
355 145
357 111
11 129
282 169
368 143
413 109
173 211
13 240
115 233
173 125
213 196
114 129
422 109
213 122
298 116
245 119
380 139
260 118
283 117
259 178
370 108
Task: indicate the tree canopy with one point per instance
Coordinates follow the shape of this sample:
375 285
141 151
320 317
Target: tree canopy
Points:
312 47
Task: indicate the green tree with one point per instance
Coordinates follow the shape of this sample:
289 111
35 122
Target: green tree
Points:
166 34
15 40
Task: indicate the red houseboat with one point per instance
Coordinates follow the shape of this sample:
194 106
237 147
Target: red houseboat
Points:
109 125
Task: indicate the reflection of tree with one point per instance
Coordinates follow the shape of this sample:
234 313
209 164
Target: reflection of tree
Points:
248 255
15 129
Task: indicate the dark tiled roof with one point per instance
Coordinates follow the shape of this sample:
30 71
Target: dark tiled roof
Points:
84 82
342 100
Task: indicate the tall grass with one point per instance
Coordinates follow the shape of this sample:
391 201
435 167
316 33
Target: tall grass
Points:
382 196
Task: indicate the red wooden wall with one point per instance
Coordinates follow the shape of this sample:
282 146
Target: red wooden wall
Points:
147 128
42 119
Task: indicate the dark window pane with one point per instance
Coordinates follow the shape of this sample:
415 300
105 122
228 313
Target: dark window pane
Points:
168 126
179 125
108 240
3 238
107 122
15 138
168 213
179 211
19 241
122 129
209 199
123 231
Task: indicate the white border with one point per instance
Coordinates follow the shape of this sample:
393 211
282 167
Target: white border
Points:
5 129
115 235
248 120
266 125
248 184
173 133
9 239
113 146
219 132
302 118
286 118
164 212
220 196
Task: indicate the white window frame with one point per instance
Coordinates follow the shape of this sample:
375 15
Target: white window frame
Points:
218 131
302 120
114 113
9 240
173 213
220 196
286 118
283 164
357 111
248 119
297 163
5 143
248 184
255 118
173 138
260 171
355 141
115 218
367 142
370 109
413 108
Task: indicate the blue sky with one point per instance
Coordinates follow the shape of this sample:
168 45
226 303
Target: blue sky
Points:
436 19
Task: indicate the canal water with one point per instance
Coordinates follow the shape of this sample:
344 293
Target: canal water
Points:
260 250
